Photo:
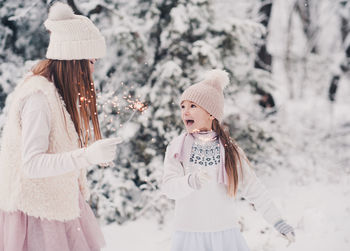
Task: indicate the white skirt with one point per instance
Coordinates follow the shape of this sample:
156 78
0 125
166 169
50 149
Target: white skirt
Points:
227 240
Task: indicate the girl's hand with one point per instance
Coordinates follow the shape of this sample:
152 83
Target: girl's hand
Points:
102 151
290 237
286 230
198 179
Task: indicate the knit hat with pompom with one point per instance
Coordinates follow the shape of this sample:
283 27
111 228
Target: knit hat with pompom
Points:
72 36
208 93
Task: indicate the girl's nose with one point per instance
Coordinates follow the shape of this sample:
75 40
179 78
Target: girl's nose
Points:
186 111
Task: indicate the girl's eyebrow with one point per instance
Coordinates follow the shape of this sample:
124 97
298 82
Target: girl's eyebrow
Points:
188 101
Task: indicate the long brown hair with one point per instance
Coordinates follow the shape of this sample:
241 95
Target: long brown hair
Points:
232 157
73 81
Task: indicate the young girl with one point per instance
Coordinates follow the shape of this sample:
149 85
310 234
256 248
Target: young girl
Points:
204 169
46 144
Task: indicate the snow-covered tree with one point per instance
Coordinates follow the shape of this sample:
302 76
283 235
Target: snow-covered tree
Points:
155 50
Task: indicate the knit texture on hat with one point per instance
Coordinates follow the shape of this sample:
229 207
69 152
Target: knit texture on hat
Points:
72 36
208 93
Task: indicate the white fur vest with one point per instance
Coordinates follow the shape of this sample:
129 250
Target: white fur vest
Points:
53 198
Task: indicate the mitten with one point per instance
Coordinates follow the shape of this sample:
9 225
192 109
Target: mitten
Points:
286 230
102 151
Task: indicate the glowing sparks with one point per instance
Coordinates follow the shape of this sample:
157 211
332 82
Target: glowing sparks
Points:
138 105
123 103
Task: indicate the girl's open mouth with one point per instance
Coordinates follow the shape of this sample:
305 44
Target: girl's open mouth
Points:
189 122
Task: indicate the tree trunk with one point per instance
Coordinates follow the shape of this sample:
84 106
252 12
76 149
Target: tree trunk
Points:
264 59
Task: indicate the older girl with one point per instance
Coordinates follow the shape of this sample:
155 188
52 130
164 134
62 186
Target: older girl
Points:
50 137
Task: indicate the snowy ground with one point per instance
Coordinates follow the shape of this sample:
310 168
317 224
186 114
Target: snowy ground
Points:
320 212
313 192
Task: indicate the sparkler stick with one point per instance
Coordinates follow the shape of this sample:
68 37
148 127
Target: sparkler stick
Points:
132 115
136 106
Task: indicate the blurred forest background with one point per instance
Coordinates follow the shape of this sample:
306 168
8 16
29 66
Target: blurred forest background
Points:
287 104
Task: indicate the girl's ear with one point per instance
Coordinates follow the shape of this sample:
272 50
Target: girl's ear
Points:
211 117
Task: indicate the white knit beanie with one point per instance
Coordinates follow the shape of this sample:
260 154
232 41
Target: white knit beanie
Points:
72 36
208 93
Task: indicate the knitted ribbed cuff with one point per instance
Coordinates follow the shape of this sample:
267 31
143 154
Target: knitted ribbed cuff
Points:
283 228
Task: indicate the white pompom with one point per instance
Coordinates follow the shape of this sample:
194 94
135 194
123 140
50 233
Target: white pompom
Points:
217 78
60 11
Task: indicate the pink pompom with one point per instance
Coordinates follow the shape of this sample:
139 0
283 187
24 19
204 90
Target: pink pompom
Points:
217 78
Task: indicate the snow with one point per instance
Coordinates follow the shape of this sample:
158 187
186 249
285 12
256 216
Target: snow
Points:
306 167
319 212
311 185
143 234
310 178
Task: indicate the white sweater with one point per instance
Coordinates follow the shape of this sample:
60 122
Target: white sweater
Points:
210 209
37 163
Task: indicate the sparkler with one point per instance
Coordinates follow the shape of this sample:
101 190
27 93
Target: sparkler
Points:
136 106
